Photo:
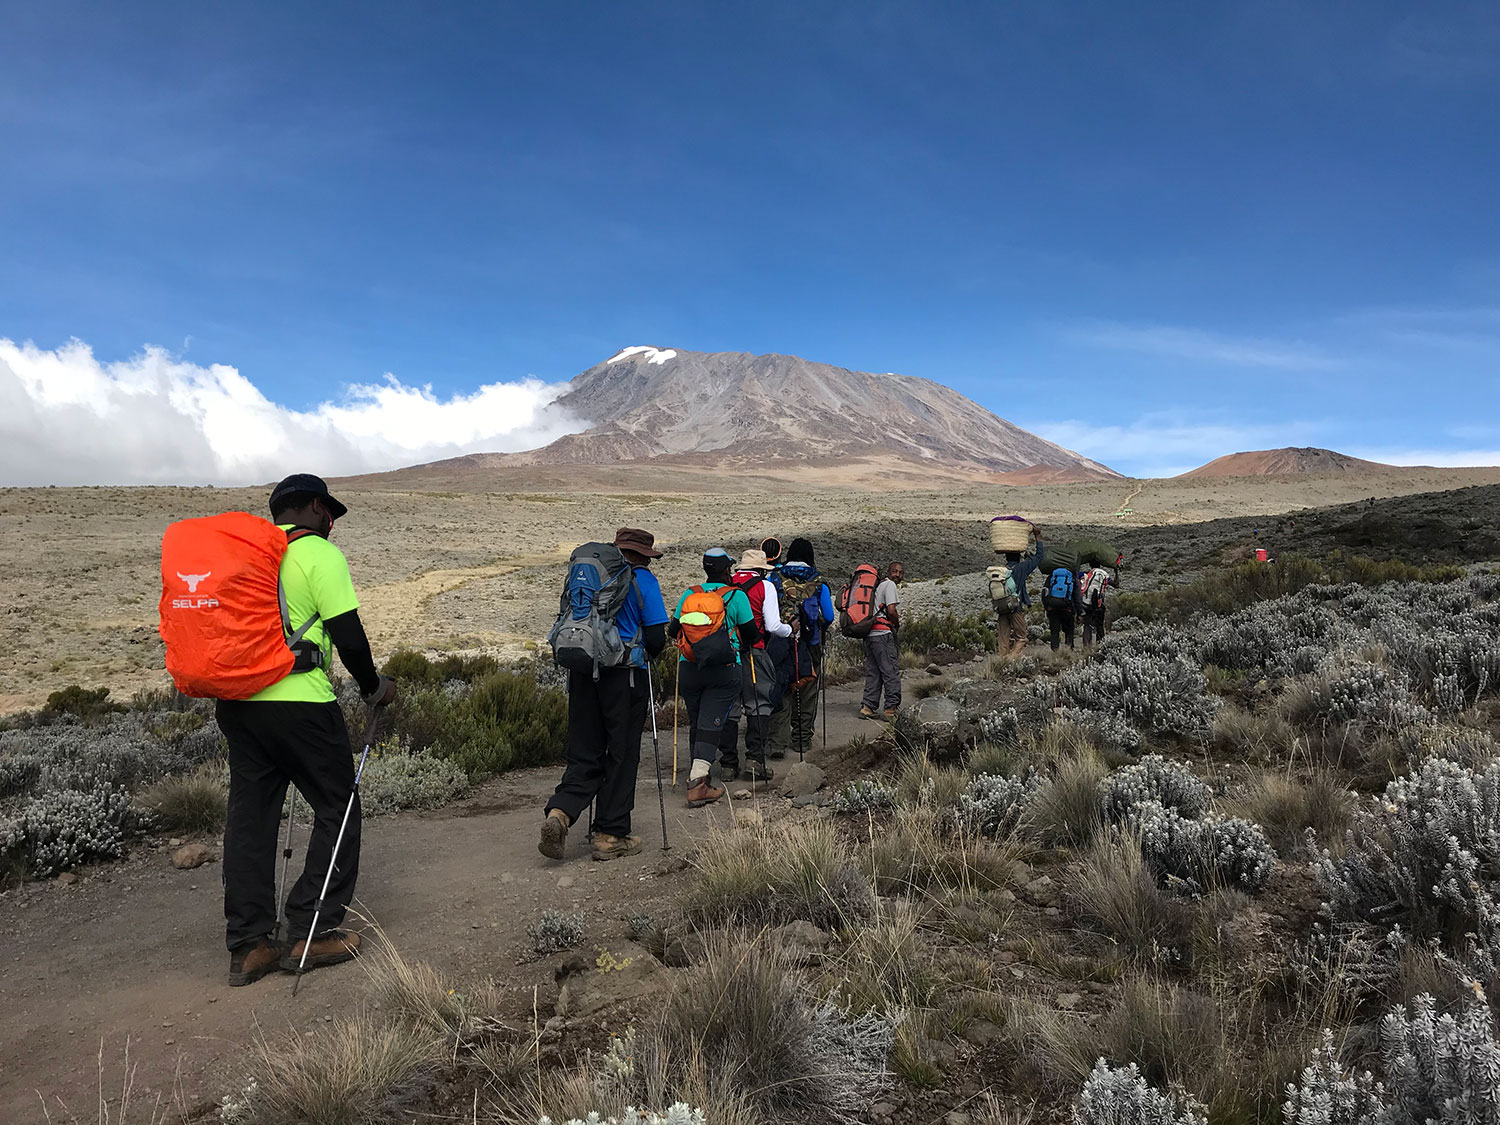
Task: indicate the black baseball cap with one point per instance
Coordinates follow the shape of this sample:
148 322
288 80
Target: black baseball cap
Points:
304 485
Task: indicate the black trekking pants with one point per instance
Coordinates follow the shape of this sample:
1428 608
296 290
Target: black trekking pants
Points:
272 744
757 690
708 694
1093 626
1060 621
606 718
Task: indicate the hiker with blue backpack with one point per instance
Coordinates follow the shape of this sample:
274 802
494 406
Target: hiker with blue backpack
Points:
712 625
1063 604
611 622
807 606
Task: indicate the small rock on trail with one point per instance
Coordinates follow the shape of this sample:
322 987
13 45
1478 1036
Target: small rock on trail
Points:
190 856
802 780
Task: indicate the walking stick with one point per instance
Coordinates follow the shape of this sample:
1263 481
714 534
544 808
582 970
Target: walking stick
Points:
796 698
676 701
282 923
823 688
333 857
656 757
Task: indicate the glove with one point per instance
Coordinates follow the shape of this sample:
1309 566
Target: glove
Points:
382 696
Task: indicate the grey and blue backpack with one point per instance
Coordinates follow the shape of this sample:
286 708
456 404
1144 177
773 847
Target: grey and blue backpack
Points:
586 636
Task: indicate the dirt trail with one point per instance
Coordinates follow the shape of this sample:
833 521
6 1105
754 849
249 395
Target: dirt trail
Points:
134 950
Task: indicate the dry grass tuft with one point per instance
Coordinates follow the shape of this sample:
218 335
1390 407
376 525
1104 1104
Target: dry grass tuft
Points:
921 850
1118 892
197 801
780 874
1067 809
1286 806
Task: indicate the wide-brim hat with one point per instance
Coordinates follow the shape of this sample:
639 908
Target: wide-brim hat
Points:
753 560
305 484
638 540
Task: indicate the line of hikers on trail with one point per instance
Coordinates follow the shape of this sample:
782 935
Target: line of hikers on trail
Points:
251 611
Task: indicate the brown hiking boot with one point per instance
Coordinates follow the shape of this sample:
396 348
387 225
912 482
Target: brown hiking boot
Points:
253 960
890 714
613 847
331 947
554 834
702 793
867 713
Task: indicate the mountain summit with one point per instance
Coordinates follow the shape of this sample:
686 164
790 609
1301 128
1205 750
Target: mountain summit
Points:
648 402
1288 462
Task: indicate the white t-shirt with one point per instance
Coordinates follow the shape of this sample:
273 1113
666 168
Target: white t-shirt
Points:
885 594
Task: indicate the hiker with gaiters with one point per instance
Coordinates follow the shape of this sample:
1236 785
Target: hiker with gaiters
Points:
607 715
807 606
293 732
713 625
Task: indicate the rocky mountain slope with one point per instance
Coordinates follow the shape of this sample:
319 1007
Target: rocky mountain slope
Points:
651 403
1288 462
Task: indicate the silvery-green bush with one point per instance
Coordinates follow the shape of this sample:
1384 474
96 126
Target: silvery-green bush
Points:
1229 850
65 828
1152 678
1120 1096
396 780
129 749
1154 778
554 931
1425 855
864 796
992 804
679 1114
1364 692
1438 1069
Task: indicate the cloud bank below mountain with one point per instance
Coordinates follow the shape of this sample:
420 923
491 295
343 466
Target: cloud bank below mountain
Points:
67 418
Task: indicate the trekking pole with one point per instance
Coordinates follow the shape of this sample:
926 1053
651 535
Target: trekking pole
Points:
676 700
661 798
333 857
286 859
823 688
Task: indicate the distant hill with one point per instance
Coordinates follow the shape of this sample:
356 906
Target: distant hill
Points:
733 408
1289 462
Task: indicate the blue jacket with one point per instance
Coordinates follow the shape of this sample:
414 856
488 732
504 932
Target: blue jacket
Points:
1021 571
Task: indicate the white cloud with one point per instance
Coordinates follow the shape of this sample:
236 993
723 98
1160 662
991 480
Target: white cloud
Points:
66 418
1205 347
1163 445
1441 458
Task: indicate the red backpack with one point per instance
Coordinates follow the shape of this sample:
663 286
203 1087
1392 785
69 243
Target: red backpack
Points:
856 602
223 616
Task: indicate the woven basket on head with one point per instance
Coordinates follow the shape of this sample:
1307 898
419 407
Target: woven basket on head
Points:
1013 533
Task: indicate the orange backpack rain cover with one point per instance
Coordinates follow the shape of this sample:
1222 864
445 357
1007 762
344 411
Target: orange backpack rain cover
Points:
221 605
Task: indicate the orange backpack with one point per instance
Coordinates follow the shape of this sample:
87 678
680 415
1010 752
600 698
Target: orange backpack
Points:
856 602
223 613
704 636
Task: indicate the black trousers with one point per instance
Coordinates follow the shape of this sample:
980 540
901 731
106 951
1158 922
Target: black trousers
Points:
708 694
1093 625
272 745
1060 621
605 720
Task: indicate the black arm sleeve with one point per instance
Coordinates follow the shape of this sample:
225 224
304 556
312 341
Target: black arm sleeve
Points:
654 637
750 635
348 636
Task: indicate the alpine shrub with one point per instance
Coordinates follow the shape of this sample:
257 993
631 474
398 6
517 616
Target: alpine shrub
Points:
1149 677
679 1114
1120 1096
1438 1070
555 931
1231 850
991 804
395 780
1426 855
66 828
1154 778
864 796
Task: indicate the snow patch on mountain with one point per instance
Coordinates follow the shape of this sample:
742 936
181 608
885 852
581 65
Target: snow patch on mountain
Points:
656 356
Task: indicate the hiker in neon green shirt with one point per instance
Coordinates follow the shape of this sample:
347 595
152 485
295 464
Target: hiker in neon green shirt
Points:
293 733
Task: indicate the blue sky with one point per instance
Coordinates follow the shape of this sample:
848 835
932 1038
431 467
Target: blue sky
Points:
1156 232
